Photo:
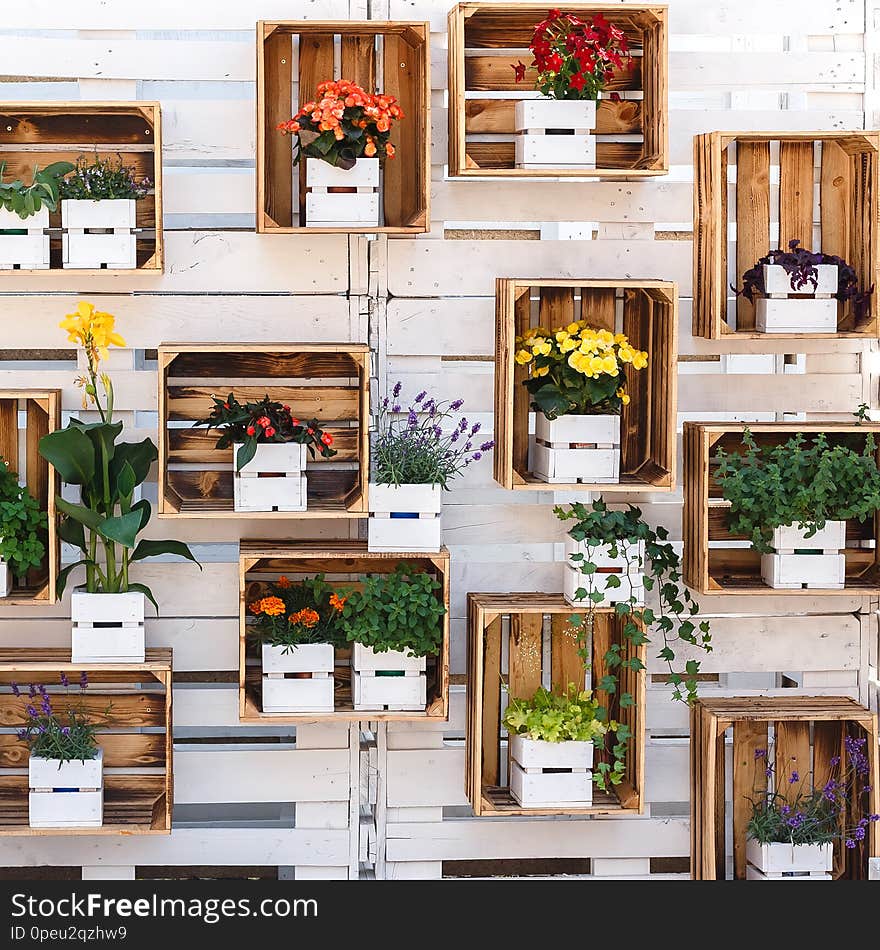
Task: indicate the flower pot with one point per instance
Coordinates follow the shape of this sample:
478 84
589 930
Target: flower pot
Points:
107 628
627 567
273 480
66 794
300 680
357 208
27 247
99 233
788 310
576 449
550 774
555 133
4 578
372 688
799 561
781 860
404 518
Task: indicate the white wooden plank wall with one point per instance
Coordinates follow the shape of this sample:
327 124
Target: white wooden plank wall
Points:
334 801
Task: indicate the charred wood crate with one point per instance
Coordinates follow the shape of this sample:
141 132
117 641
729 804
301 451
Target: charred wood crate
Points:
739 216
26 415
391 58
287 691
631 127
130 703
717 561
785 734
324 381
642 445
46 132
508 637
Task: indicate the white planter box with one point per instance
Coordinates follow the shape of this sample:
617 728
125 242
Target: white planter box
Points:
813 311
789 538
283 485
48 808
372 691
107 628
4 578
357 209
781 861
306 658
778 282
576 449
554 114
627 568
27 251
313 694
787 570
99 233
535 148
533 787
404 518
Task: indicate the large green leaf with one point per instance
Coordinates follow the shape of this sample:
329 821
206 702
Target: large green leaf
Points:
246 451
72 532
146 592
154 548
139 455
85 516
123 529
64 573
71 452
143 506
125 482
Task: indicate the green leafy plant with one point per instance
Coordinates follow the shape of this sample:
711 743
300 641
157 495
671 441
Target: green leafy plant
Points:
103 179
395 611
22 525
51 736
27 200
289 614
675 610
805 481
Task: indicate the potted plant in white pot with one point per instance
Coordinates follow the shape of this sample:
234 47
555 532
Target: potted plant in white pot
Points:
297 624
394 621
108 610
272 449
24 216
65 766
792 501
577 381
22 530
416 451
344 137
99 213
574 60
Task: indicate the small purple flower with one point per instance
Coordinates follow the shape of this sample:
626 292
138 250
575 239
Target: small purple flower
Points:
768 772
83 680
795 777
834 761
785 810
454 436
32 691
475 428
22 734
420 396
760 753
46 707
456 405
31 711
15 690
41 728
396 407
438 432
65 682
850 843
412 420
65 730
397 388
859 834
486 446
463 425
385 403
468 446
873 817
477 456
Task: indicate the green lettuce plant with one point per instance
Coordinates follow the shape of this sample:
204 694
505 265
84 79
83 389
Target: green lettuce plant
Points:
22 525
27 200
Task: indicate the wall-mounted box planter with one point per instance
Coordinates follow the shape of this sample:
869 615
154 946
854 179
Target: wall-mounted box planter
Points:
627 567
24 242
487 40
387 57
297 680
325 381
63 131
647 312
716 561
342 197
782 861
555 133
66 794
550 774
512 627
739 217
107 628
405 518
99 233
273 480
131 707
426 696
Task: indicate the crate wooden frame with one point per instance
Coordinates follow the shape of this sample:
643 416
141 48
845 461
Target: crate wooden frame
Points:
137 801
704 522
526 613
848 193
42 409
45 132
831 718
405 192
648 423
489 26
336 557
345 490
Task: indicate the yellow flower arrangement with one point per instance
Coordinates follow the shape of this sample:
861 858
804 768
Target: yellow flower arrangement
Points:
95 332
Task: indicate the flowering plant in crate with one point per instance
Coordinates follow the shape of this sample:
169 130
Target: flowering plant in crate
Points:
344 123
22 525
263 422
625 534
48 734
289 614
26 200
103 179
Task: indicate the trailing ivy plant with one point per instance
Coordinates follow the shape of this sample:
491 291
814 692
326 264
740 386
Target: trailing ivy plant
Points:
675 614
22 525
805 481
26 200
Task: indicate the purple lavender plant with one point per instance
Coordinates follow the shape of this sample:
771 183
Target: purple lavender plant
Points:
54 735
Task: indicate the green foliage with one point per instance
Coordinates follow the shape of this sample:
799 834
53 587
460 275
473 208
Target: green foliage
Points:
311 614
676 611
50 735
102 179
22 525
27 200
396 611
806 481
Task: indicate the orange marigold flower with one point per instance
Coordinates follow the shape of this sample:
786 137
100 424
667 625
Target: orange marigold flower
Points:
254 607
284 582
272 606
305 618
337 602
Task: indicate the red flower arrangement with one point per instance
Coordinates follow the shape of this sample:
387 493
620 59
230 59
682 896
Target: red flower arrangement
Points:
575 59
343 124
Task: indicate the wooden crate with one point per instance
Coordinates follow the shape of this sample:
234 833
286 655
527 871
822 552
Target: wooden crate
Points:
46 132
344 561
807 731
126 700
515 627
387 57
325 381
20 449
713 570
647 312
734 222
486 40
